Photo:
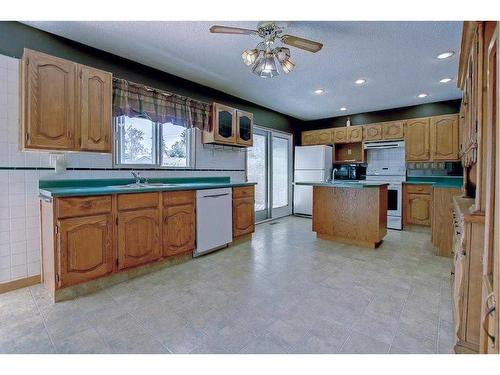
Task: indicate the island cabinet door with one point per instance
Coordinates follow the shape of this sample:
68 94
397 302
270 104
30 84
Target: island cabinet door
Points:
373 132
419 209
444 138
95 109
417 140
49 102
138 237
393 130
178 229
340 135
85 249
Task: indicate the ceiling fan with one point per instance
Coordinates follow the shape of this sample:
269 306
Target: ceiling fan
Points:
262 57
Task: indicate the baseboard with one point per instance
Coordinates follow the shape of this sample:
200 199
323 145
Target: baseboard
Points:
20 283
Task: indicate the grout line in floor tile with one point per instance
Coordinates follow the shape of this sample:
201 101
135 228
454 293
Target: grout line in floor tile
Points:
43 321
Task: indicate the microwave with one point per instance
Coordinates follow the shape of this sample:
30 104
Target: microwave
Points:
350 172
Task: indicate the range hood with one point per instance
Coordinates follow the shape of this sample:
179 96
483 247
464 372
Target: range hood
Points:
383 145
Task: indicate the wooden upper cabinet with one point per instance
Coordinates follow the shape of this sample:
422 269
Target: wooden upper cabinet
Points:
85 249
393 130
340 135
138 237
324 136
223 125
48 96
65 106
95 90
317 137
229 126
178 229
444 137
417 139
355 133
373 132
244 128
309 137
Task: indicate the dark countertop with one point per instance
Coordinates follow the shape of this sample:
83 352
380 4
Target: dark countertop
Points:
67 188
344 184
436 181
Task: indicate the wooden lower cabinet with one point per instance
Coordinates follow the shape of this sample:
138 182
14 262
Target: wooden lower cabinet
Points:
85 248
243 211
468 245
178 229
138 237
442 220
417 208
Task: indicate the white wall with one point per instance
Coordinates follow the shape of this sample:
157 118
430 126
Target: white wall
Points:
19 216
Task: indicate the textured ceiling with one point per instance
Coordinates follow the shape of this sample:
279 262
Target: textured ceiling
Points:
397 59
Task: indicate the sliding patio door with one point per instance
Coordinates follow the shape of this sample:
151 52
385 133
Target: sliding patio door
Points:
269 164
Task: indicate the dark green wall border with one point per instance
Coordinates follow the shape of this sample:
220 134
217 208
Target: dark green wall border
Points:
402 113
15 36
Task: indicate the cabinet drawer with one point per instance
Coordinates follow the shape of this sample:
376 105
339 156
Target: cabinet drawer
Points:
173 198
83 206
138 200
419 189
243 192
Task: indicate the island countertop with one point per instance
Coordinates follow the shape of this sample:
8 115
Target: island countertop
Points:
92 187
345 184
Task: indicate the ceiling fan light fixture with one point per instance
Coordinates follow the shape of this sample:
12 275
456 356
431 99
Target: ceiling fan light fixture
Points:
249 56
287 65
265 67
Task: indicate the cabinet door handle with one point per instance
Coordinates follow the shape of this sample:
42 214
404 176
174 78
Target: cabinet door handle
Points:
483 320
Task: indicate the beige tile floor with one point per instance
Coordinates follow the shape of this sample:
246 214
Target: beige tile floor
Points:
285 292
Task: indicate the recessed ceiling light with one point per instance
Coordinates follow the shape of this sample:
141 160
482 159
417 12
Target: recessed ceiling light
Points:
319 91
422 95
445 55
360 81
445 80
343 109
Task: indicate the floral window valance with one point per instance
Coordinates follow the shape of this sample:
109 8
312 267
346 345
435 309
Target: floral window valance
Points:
135 100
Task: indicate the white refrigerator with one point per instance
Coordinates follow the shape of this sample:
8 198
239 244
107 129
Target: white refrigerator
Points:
312 164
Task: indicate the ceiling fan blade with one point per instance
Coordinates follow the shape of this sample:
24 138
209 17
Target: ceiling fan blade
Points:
217 29
306 44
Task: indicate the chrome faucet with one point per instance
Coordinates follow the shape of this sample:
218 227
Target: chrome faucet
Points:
138 178
333 175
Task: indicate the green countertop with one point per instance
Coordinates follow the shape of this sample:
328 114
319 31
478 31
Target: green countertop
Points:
343 184
67 188
438 182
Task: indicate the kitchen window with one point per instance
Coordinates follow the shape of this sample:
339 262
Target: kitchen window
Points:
141 142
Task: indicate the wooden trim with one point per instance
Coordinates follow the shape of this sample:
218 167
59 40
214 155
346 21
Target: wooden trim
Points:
469 29
349 241
20 283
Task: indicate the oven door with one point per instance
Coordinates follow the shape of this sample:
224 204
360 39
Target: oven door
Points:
394 199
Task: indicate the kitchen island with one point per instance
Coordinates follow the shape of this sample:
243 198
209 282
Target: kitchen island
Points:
350 212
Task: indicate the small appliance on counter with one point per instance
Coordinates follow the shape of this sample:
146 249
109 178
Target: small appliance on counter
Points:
353 172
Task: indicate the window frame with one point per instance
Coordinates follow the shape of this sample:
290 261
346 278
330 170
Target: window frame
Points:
157 136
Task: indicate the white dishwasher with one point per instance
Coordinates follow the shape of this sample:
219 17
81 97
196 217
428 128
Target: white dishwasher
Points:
214 220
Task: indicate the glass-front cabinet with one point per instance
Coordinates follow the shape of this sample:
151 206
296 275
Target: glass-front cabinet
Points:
229 126
244 125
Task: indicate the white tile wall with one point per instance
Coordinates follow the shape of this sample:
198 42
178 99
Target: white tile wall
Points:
19 216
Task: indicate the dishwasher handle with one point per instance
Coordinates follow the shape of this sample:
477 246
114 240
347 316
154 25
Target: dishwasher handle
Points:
215 195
